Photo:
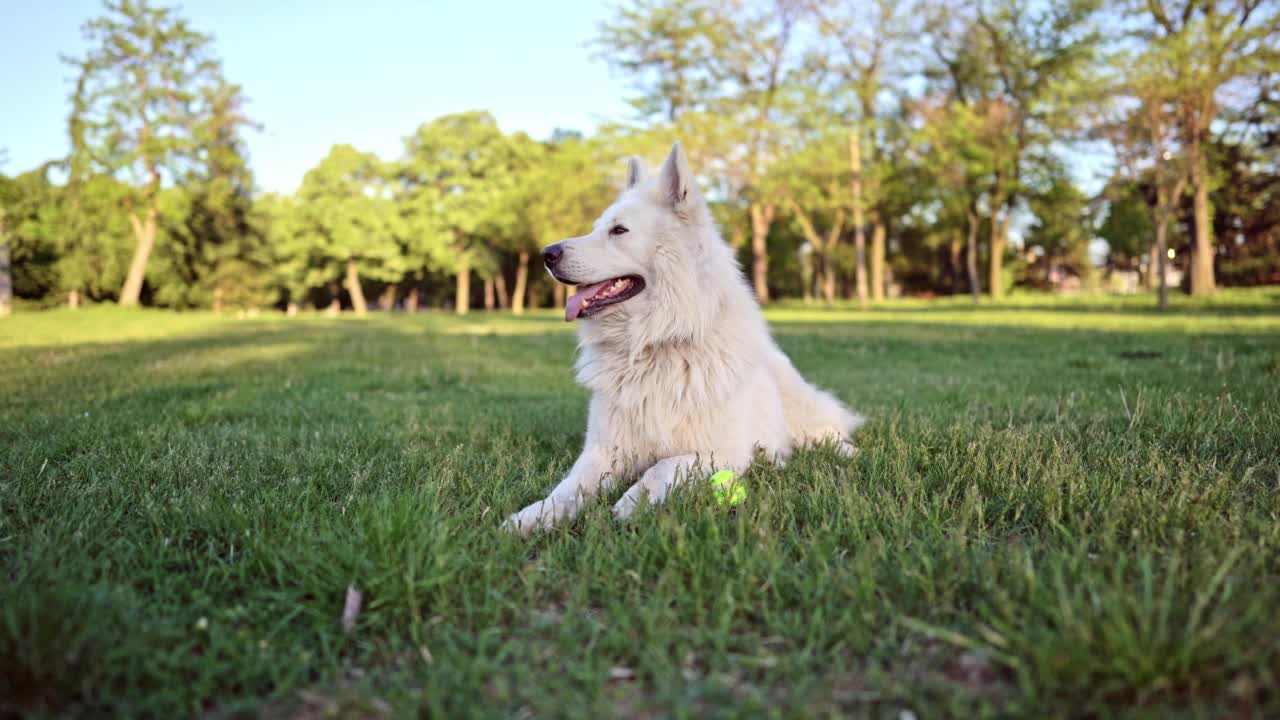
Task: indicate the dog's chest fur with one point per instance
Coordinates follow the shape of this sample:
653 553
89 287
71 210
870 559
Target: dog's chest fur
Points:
664 399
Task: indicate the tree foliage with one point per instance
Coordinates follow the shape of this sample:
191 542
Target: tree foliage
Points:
147 84
852 148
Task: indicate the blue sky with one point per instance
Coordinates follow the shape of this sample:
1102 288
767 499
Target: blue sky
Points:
326 72
319 73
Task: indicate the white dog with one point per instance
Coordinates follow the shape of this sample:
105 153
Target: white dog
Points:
683 373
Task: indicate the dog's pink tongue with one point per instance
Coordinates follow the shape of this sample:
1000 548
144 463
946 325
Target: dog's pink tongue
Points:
574 306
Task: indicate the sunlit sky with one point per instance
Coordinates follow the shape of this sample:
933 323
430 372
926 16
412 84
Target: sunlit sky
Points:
319 73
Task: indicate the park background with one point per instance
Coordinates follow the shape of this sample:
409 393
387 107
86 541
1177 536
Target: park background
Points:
855 150
1064 501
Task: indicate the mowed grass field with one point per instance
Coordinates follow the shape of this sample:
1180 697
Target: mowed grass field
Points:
1059 508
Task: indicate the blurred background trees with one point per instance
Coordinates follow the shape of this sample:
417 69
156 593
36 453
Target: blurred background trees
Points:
150 104
852 149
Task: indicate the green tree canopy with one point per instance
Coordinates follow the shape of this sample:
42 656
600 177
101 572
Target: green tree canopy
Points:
144 91
454 175
344 225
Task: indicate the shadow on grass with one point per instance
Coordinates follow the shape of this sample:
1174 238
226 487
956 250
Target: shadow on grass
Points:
450 386
531 358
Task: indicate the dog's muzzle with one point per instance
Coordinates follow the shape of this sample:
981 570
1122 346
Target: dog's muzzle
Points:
551 255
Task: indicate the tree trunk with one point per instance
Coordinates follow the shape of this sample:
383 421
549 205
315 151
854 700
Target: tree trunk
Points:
957 246
877 261
1162 254
533 296
824 249
829 258
860 265
859 234
999 227
522 284
971 260
500 287
387 299
335 305
73 299
761 219
1167 199
217 299
1202 280
998 212
488 293
411 300
1153 280
806 275
462 294
291 309
353 288
144 233
559 295
6 278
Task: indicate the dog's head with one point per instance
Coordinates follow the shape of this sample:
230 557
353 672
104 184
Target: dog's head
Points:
648 240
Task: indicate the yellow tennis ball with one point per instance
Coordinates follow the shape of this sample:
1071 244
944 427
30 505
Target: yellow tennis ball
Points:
727 489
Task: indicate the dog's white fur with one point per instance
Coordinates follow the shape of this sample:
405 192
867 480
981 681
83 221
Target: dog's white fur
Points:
684 376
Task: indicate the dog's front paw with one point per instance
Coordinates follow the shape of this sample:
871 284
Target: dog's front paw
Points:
624 508
636 496
845 449
540 516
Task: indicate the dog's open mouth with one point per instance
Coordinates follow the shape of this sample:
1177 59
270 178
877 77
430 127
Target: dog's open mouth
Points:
591 299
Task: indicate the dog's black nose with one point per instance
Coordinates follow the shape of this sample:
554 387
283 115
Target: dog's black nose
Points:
551 255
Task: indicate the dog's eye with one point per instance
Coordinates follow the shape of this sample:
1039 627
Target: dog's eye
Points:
617 230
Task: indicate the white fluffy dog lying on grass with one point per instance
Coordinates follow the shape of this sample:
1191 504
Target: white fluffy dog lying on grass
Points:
683 373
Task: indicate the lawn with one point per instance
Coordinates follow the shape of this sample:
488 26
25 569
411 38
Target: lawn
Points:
1059 507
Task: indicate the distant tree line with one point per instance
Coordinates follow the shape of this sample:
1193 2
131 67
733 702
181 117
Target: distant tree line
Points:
849 149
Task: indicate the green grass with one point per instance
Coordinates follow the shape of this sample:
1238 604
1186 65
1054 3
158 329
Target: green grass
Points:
1059 508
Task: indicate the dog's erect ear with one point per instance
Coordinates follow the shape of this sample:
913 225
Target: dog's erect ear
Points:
635 171
675 179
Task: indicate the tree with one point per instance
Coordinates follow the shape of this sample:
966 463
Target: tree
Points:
759 65
663 45
346 225
1169 179
813 182
216 254
1247 209
1043 57
1143 140
927 234
862 40
91 237
1201 47
1023 69
954 128
1127 227
454 173
741 57
69 240
1062 226
958 161
137 108
280 216
565 186
6 276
